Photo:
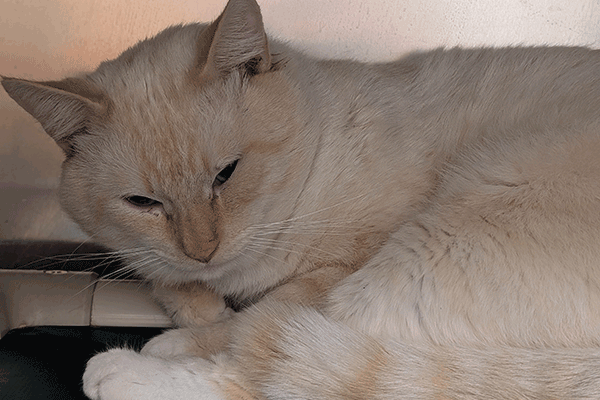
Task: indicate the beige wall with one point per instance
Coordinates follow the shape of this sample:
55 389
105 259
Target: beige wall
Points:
49 39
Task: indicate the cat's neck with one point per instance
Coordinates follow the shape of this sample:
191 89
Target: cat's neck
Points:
351 194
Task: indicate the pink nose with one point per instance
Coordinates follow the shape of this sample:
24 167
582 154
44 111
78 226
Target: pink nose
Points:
197 233
200 250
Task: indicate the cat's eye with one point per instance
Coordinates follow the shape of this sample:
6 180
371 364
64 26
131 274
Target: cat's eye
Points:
141 201
225 174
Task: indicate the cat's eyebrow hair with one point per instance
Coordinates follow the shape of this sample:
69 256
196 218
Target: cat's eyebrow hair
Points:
147 183
206 163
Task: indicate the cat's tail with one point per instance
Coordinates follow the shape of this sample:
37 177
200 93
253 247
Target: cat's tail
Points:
305 355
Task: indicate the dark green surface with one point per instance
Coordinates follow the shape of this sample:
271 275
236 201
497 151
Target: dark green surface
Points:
46 363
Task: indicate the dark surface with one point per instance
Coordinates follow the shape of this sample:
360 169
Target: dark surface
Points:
47 363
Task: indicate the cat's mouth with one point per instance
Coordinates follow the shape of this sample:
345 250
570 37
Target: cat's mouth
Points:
196 270
175 269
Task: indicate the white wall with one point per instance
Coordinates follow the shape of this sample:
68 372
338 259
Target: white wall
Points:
382 29
49 39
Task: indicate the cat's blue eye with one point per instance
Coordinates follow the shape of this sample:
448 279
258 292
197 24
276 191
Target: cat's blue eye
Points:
141 201
225 174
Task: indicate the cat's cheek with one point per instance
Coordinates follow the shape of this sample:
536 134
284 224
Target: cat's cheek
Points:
148 220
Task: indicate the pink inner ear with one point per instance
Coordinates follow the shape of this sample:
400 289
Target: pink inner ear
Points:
252 21
238 39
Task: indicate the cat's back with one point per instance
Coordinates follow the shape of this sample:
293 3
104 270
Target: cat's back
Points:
461 96
504 83
451 97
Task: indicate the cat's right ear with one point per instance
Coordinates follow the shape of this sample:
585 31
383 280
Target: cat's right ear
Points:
63 108
237 39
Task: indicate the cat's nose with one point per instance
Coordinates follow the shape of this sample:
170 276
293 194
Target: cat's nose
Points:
202 252
197 234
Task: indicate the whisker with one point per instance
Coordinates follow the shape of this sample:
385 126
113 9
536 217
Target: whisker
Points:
79 246
330 227
313 212
116 275
300 231
254 259
266 255
63 259
162 265
269 243
271 247
331 230
299 223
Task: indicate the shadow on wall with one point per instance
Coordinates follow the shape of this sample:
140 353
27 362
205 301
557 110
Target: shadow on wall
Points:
29 170
32 213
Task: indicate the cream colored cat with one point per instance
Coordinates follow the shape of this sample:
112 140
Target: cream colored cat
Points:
422 229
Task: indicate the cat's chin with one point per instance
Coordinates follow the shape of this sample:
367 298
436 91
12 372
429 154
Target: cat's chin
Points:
181 271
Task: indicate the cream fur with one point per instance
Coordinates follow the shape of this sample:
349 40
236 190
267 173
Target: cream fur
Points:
421 229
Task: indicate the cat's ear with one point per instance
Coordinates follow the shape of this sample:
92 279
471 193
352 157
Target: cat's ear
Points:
239 40
63 108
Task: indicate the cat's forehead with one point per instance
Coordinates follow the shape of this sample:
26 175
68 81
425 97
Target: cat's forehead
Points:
157 74
169 153
174 141
170 54
163 124
189 134
158 110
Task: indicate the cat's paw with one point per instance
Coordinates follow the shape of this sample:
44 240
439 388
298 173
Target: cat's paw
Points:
171 344
109 375
201 342
192 304
121 374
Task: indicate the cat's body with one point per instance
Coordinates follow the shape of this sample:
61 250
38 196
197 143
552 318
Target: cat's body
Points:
426 228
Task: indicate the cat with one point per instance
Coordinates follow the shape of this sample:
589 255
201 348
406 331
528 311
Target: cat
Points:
426 228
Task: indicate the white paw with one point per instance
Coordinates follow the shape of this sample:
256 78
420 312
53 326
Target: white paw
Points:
121 374
109 375
170 344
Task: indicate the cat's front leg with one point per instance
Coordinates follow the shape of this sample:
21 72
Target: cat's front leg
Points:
202 341
202 317
121 374
191 304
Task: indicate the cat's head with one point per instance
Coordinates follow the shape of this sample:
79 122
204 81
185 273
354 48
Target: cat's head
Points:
179 150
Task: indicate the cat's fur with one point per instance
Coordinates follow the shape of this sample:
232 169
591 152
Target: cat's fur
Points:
422 229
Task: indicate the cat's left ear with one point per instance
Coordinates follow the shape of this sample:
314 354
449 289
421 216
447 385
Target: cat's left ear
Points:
63 108
239 41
